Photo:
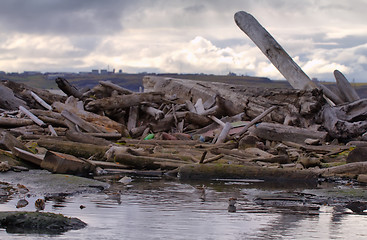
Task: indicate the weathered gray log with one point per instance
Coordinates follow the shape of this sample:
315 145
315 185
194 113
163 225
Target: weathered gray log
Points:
279 132
41 101
133 117
80 122
345 87
224 133
52 130
232 171
115 87
67 88
190 106
199 106
32 116
124 101
350 168
6 122
73 148
273 51
65 164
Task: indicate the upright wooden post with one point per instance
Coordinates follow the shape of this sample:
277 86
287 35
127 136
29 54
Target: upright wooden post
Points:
273 51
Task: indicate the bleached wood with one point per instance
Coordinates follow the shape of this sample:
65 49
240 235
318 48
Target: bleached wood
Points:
32 116
273 51
41 101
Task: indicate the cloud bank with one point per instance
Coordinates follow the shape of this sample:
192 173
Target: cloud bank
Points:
181 36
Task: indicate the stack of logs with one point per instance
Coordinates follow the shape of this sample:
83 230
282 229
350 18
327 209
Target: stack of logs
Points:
111 130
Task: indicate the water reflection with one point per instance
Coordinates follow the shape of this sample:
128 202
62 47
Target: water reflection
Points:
158 209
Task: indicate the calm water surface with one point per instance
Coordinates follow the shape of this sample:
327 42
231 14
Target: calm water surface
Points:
157 209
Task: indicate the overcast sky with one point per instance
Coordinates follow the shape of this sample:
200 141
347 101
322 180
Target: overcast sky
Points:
183 36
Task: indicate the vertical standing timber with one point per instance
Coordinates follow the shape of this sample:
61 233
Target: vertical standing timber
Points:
273 51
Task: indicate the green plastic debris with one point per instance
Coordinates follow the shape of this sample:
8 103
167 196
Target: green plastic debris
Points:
150 136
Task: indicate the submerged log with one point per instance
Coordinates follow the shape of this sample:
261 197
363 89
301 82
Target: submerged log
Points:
273 51
231 171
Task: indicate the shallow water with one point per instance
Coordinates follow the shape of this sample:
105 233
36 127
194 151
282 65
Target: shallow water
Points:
158 209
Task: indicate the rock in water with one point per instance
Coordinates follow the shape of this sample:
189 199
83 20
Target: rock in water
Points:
38 222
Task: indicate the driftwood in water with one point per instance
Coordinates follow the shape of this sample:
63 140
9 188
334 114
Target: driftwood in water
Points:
123 101
231 171
279 132
67 88
273 51
73 148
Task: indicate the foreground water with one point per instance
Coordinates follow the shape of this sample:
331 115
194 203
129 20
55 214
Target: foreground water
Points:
159 209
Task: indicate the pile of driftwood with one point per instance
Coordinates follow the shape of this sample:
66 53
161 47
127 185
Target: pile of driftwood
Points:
191 129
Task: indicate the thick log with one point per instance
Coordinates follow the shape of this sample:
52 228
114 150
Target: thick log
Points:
350 168
197 119
231 171
6 122
76 149
115 87
67 88
124 101
273 51
279 132
65 164
348 92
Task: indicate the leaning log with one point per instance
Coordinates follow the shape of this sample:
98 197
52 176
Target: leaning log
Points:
273 51
345 88
73 148
231 171
124 101
67 88
115 87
